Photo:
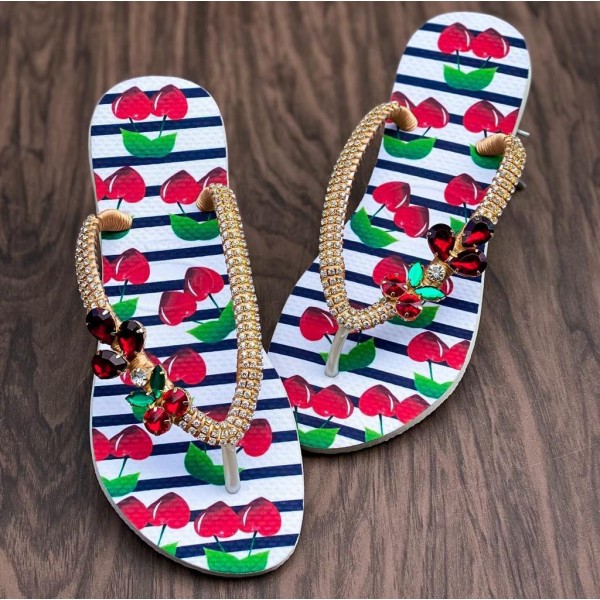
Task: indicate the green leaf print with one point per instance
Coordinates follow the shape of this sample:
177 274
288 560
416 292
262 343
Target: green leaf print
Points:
125 309
429 387
218 329
139 145
223 562
120 486
485 162
456 224
170 548
369 235
413 150
199 465
114 235
318 438
360 357
189 230
475 80
371 435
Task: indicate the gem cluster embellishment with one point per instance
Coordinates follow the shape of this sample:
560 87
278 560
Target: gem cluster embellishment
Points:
163 403
455 253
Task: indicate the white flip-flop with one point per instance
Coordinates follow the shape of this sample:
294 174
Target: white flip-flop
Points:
463 76
156 143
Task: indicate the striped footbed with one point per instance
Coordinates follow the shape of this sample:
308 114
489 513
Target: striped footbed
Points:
464 75
155 143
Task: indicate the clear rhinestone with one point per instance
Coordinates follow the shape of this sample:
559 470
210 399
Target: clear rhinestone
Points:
436 272
139 377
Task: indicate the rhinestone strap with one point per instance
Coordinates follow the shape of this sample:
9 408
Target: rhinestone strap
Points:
333 272
332 267
509 172
245 307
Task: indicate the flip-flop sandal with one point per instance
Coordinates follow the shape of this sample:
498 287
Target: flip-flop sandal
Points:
195 445
404 301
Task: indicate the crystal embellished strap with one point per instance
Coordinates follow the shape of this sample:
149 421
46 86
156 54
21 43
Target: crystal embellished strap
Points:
453 252
333 272
158 395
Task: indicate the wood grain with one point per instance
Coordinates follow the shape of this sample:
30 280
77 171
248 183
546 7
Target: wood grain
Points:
495 494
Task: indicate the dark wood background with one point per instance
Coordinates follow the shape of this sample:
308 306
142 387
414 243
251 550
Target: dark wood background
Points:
495 494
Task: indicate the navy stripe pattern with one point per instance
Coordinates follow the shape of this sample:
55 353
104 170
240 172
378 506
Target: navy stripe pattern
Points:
391 374
170 488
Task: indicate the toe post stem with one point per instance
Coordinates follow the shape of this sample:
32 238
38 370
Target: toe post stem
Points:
230 469
332 368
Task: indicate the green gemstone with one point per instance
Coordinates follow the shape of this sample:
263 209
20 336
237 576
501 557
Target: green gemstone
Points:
157 381
430 293
415 274
139 398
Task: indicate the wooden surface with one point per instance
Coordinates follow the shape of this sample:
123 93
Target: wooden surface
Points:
496 493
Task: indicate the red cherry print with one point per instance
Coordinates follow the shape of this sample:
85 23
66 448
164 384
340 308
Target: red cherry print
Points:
392 195
410 408
200 282
217 520
332 402
390 264
218 414
260 516
133 442
490 44
257 440
402 100
132 104
482 116
413 219
377 400
170 510
125 184
430 113
174 307
169 102
508 125
315 323
462 189
107 270
454 38
299 391
455 356
100 445
135 512
132 266
186 366
180 188
426 346
100 187
217 175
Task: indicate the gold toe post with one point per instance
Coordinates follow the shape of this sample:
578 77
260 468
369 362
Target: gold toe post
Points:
194 421
400 298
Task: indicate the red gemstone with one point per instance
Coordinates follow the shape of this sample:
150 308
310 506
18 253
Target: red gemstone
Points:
470 263
101 324
441 240
407 298
393 285
157 421
175 402
478 230
409 311
107 364
131 336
